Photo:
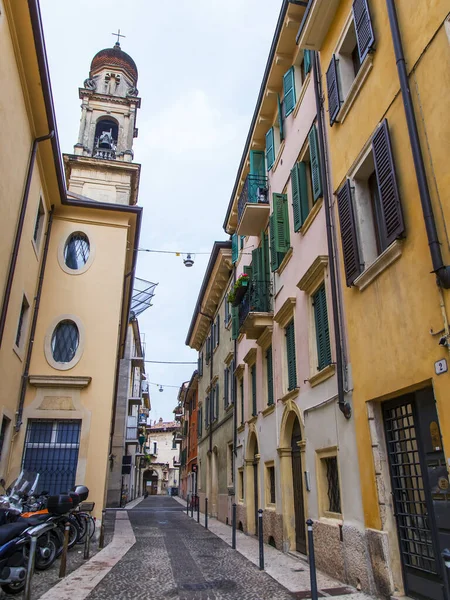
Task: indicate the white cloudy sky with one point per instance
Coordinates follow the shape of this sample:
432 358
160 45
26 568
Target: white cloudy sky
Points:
200 66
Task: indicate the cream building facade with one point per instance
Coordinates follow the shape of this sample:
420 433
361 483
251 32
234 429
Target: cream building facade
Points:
163 473
66 273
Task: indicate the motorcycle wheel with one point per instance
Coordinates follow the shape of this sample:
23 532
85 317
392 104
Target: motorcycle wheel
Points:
13 588
51 542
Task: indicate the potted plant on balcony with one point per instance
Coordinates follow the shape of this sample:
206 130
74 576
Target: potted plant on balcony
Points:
239 290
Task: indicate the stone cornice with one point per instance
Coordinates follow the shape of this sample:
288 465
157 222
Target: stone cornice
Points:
313 275
265 339
286 312
250 357
59 381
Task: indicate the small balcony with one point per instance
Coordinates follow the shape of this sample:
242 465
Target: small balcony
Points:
104 154
144 388
176 462
142 420
317 20
253 206
132 432
255 310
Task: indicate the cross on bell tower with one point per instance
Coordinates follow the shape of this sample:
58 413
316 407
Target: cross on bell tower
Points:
107 129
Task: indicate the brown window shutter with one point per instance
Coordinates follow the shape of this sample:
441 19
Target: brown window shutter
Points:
334 100
391 225
350 248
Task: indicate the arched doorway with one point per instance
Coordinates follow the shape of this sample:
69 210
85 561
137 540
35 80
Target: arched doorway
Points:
291 453
150 482
252 483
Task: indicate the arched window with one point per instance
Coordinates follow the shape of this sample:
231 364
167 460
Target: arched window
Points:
76 252
65 340
106 136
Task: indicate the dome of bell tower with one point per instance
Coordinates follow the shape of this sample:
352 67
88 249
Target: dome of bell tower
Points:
116 58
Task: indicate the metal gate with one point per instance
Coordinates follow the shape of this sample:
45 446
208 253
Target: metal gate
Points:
297 482
411 456
51 449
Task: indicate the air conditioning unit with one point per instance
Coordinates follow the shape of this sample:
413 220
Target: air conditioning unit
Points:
261 195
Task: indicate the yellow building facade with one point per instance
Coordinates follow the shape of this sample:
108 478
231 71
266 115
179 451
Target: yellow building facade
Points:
393 267
66 274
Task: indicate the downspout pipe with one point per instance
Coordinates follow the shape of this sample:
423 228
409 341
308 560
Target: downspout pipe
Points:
26 368
442 271
19 230
344 406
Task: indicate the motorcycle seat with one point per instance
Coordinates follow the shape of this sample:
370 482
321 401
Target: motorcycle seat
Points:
35 519
11 530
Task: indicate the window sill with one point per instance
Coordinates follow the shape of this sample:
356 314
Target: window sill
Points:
311 216
386 258
268 410
271 507
355 88
278 158
290 395
322 375
241 428
302 94
284 262
331 518
252 419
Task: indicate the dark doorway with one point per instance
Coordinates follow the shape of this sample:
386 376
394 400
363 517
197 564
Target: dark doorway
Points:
297 482
420 490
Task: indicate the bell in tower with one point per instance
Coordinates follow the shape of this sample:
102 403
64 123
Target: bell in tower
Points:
109 103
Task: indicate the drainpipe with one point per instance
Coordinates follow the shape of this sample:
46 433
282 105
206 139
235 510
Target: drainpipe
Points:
442 271
344 406
26 368
234 400
19 229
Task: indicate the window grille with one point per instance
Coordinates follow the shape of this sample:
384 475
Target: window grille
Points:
333 491
51 449
272 484
76 252
65 341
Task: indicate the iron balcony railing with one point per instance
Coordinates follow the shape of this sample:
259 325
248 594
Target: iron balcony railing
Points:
105 154
254 192
257 299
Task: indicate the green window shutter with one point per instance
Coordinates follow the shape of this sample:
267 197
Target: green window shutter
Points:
206 412
290 351
257 163
232 382
253 373
241 241
242 400
300 202
322 330
274 264
281 222
255 300
289 91
270 149
316 175
280 119
307 61
234 323
269 368
234 248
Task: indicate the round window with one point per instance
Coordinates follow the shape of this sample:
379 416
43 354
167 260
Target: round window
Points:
65 340
76 252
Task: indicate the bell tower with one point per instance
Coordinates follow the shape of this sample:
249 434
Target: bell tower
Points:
101 167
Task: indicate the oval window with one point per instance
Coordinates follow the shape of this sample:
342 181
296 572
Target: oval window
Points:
76 252
65 340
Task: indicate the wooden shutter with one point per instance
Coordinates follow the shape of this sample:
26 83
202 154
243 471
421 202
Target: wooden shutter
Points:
232 382
307 61
199 421
217 330
270 149
206 412
226 386
234 247
290 351
280 119
300 202
255 300
349 240
281 222
265 272
253 373
274 264
392 225
234 323
257 163
322 329
269 373
216 398
316 175
289 91
242 399
334 99
363 27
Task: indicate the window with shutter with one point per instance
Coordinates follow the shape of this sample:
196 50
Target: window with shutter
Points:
253 376
289 91
200 364
217 330
349 240
269 373
241 386
216 400
207 412
265 273
232 382
307 61
234 248
322 331
334 99
226 399
234 322
281 222
290 354
280 118
300 197
316 175
363 26
274 255
270 148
